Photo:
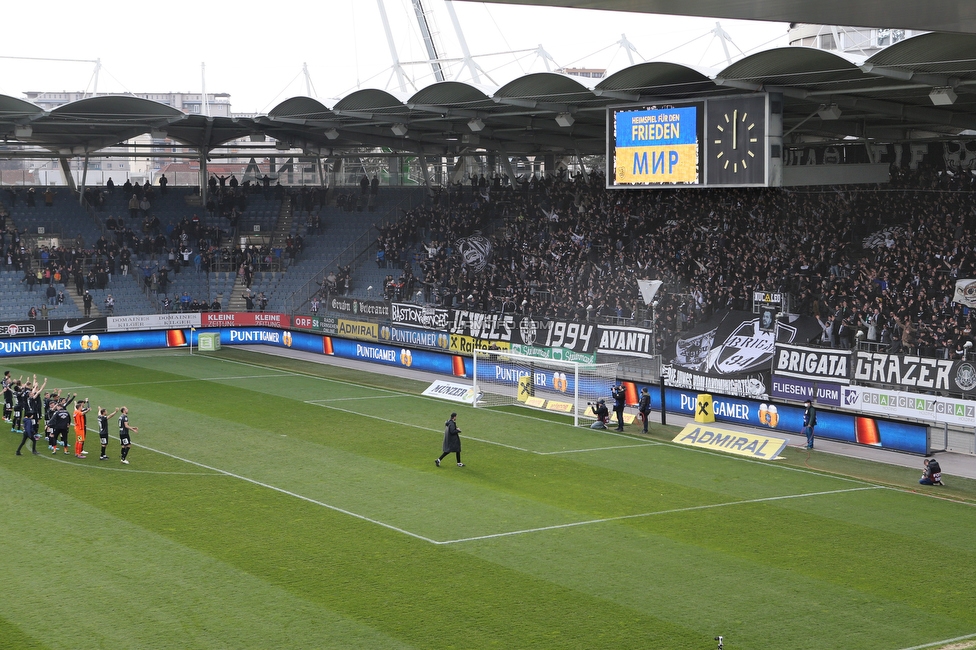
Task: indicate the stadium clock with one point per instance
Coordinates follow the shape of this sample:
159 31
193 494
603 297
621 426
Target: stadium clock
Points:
736 141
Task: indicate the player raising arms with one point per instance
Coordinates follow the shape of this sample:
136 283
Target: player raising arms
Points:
124 429
32 410
103 416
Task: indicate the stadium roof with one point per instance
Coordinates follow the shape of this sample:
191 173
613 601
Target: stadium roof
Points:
888 97
943 16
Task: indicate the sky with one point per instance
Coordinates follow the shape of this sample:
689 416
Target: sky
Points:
257 54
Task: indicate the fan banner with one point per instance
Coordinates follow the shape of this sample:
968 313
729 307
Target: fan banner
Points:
524 330
914 373
965 292
733 343
813 364
402 313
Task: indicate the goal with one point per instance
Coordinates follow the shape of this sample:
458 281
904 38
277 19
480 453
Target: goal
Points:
502 378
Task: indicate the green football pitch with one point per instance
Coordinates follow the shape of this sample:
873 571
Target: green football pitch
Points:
278 503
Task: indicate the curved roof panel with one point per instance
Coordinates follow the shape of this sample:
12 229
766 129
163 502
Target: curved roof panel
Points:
121 107
13 107
370 100
450 92
936 53
304 108
793 66
543 85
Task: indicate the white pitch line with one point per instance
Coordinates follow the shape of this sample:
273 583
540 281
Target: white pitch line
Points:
122 469
577 451
651 514
943 642
352 399
294 494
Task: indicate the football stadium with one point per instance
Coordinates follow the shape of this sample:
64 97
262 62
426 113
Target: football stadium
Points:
660 356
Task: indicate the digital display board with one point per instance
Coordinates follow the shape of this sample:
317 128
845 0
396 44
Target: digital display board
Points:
657 146
714 142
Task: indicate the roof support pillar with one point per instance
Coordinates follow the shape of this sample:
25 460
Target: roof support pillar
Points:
204 177
423 167
507 164
579 159
66 170
84 180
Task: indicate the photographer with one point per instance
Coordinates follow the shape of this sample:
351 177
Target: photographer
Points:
601 412
619 395
644 407
932 474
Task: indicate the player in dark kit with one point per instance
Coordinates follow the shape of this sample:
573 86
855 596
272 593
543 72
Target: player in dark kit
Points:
124 429
32 409
8 396
17 423
59 422
103 416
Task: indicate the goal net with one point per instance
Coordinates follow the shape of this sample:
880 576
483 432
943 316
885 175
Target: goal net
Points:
502 378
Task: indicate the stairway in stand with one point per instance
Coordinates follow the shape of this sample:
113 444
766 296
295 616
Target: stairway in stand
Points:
235 302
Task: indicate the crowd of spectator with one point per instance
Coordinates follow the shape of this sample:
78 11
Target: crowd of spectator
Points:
872 263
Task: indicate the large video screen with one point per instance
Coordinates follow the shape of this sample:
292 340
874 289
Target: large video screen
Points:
657 146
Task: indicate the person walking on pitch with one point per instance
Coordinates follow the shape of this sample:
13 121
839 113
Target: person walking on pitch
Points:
452 441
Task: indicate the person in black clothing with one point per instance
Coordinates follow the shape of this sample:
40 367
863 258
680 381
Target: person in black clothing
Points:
88 303
59 423
124 436
32 408
103 416
602 414
618 394
452 441
644 407
8 396
17 424
809 421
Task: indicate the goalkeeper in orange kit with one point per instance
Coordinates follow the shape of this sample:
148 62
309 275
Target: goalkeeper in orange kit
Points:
81 424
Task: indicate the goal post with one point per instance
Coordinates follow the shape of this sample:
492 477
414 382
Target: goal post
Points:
502 378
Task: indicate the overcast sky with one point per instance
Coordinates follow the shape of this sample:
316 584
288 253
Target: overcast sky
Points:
255 51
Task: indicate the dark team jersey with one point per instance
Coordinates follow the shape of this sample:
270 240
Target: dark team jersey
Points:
103 426
123 425
18 399
60 420
33 405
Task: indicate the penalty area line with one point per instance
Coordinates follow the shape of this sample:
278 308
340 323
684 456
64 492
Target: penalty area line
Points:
936 644
294 494
652 514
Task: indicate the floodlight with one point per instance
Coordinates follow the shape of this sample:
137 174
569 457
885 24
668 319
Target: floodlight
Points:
564 120
831 112
942 96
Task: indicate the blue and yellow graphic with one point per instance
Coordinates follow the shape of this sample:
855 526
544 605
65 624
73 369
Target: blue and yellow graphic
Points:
657 146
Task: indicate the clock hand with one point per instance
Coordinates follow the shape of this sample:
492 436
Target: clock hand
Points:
735 116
